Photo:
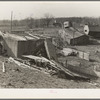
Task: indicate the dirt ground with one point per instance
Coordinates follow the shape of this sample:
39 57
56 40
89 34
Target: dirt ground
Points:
18 77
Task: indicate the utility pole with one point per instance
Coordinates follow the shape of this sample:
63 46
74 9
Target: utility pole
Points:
11 20
73 37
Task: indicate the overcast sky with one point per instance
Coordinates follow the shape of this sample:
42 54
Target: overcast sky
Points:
57 9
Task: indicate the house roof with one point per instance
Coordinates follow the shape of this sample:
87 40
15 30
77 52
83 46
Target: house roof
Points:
13 36
17 37
33 35
72 32
94 28
27 35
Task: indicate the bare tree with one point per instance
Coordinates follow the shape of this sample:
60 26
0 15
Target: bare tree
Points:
47 19
29 22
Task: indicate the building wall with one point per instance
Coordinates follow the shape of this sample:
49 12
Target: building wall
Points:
67 24
82 40
10 45
94 34
17 48
26 47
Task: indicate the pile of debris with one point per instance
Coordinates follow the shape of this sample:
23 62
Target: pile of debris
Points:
73 52
39 53
46 66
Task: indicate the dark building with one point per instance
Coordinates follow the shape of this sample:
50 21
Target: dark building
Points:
74 37
93 31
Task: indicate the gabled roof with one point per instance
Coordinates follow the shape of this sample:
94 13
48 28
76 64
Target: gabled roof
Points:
71 31
94 28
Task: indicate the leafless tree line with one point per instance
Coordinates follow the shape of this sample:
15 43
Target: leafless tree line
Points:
49 20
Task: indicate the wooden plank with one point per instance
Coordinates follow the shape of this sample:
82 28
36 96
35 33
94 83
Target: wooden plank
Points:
46 47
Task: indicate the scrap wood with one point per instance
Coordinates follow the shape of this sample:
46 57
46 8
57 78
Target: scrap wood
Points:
36 67
46 47
3 67
41 59
21 64
16 62
64 69
56 66
33 35
70 73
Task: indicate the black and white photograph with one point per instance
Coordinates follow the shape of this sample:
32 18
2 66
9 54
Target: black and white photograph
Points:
49 45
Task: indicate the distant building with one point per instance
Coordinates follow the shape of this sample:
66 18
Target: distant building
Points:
73 37
93 31
67 24
57 24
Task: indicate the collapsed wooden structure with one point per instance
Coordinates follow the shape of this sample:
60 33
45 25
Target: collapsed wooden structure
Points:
37 50
53 67
16 46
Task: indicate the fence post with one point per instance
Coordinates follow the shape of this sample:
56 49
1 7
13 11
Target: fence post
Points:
80 64
66 64
3 67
